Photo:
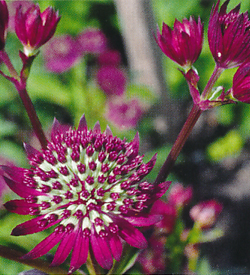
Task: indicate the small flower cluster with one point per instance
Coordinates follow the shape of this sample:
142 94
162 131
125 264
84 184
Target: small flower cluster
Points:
167 236
64 52
229 42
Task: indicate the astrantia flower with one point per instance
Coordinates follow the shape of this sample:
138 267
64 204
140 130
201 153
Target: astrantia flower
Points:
183 44
241 84
111 80
61 54
229 36
87 184
206 213
179 195
124 114
92 41
4 19
109 58
34 28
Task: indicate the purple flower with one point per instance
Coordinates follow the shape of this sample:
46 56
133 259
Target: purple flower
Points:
4 19
183 44
124 114
109 58
241 84
229 36
61 53
206 213
179 195
34 28
92 41
111 80
89 185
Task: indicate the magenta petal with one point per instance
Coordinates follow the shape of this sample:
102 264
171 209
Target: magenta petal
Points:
32 226
101 251
130 234
44 246
108 131
15 173
21 207
20 189
30 151
97 128
145 220
83 124
115 246
64 248
80 252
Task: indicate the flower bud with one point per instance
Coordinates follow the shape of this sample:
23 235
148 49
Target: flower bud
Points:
4 18
34 28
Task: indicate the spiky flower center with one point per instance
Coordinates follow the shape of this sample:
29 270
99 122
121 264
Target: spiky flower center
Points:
87 176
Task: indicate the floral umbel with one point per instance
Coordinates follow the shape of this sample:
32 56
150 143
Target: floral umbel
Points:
89 184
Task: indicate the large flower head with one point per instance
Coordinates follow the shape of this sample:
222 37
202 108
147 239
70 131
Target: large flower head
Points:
229 36
183 44
34 28
89 185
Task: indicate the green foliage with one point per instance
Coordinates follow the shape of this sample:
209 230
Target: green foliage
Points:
227 146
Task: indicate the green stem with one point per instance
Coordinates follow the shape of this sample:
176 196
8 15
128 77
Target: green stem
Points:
6 60
92 265
11 254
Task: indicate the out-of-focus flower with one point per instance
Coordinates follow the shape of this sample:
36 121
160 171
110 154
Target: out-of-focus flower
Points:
206 213
229 36
241 84
111 80
61 54
183 44
34 28
13 6
109 58
153 259
4 19
179 195
169 214
92 41
124 114
89 185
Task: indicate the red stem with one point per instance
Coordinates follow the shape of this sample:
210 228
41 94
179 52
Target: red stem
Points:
35 122
179 143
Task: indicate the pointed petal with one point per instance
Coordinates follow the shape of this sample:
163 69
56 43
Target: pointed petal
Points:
97 128
160 190
30 151
44 246
129 233
56 126
108 131
101 251
21 207
64 248
80 252
144 220
83 124
32 226
115 246
21 190
15 173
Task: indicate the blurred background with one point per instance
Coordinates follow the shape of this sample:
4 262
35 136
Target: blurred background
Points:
103 61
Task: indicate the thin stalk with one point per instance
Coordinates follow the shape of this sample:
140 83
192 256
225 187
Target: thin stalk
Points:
11 254
214 77
6 60
186 129
179 143
35 122
92 265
